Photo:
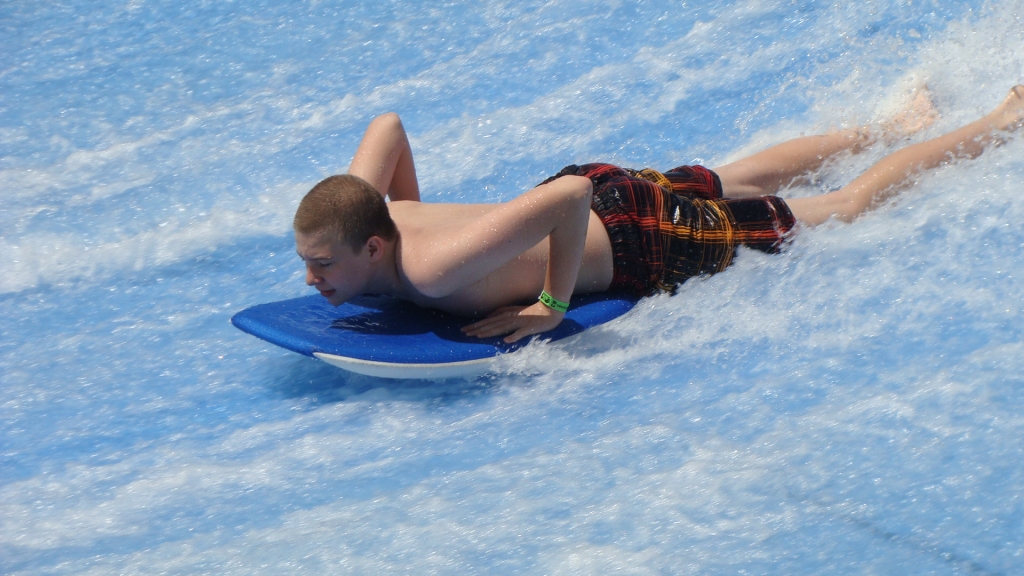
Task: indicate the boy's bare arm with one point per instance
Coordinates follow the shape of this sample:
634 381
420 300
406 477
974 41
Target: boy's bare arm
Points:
559 210
384 159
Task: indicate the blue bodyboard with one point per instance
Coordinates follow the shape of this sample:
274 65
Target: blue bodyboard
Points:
388 337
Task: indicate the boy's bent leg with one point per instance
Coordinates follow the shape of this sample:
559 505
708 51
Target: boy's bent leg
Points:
384 159
891 173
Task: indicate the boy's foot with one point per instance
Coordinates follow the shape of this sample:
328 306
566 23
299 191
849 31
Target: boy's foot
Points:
919 114
1010 114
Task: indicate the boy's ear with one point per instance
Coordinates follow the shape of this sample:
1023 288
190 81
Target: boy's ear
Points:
375 248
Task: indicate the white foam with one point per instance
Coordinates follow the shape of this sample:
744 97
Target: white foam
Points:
44 258
749 423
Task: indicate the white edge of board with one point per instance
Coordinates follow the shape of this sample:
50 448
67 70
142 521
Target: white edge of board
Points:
408 371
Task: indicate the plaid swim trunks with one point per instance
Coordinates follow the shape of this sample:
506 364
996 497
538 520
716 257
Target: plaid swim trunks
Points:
667 227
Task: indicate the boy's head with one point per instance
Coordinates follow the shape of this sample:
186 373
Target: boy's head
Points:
345 209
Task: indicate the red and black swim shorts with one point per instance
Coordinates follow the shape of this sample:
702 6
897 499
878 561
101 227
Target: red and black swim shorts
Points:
667 227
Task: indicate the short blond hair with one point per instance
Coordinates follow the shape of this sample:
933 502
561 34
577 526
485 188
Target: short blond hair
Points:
346 208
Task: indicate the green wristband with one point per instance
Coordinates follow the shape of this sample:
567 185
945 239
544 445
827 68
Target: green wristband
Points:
550 301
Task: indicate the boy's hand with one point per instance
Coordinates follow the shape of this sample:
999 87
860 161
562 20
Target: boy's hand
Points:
520 320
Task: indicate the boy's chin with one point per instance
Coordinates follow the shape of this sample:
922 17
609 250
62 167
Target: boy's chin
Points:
333 297
337 299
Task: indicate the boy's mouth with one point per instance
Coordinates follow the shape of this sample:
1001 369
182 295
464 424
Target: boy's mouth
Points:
327 293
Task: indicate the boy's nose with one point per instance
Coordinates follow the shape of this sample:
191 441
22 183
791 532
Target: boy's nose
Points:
310 278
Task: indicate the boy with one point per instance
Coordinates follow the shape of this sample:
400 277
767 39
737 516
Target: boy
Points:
589 228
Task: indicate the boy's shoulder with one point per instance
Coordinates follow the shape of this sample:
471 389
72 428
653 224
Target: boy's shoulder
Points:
424 217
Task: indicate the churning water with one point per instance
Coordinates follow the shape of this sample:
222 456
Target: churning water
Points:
853 405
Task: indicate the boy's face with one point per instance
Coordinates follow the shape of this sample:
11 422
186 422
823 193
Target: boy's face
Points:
338 273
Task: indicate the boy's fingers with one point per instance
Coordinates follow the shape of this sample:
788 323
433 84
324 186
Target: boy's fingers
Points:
534 325
502 326
510 319
490 327
518 335
500 316
489 331
504 309
484 325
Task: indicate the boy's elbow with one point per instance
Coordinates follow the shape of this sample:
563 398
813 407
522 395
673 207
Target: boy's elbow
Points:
579 188
388 120
584 193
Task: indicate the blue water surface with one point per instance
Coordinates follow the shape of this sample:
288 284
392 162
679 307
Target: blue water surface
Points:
853 405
